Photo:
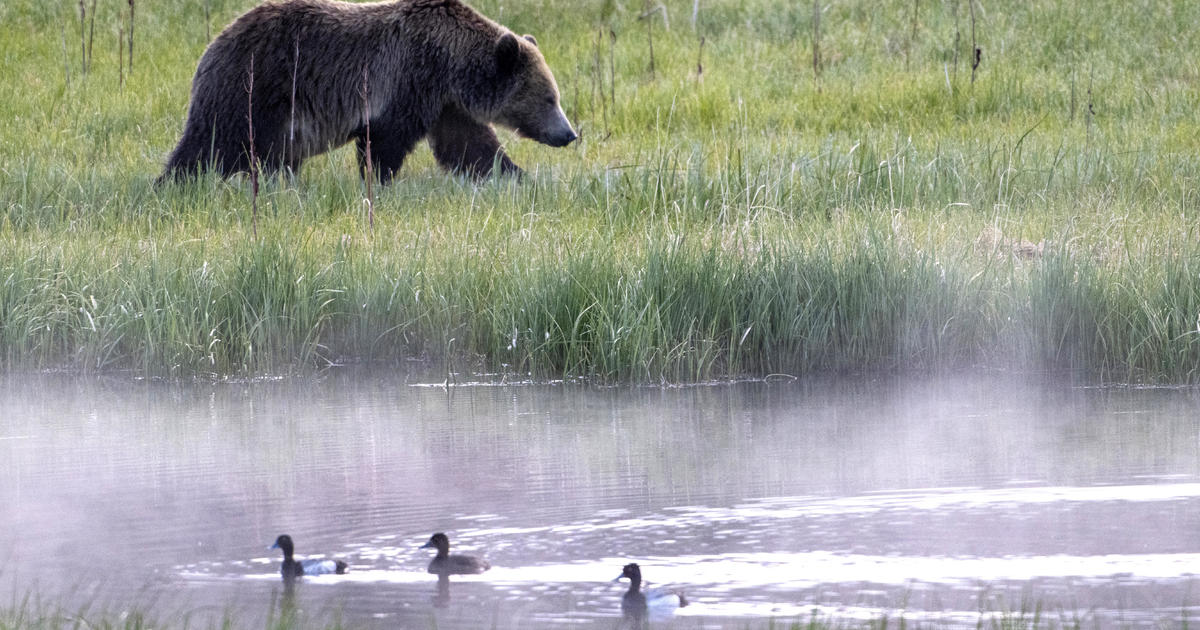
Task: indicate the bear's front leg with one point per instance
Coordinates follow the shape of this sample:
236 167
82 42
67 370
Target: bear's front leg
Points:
466 146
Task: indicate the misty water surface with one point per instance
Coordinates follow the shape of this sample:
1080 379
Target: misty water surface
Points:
928 498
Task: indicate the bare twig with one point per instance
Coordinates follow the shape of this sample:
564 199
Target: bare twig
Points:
577 113
612 68
977 52
82 37
649 11
700 60
1091 105
91 33
292 117
816 51
695 12
66 59
121 57
650 43
599 65
957 40
253 155
1071 116
656 7
912 38
370 172
131 7
597 87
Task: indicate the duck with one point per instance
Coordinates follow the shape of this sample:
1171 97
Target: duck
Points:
445 564
653 603
292 568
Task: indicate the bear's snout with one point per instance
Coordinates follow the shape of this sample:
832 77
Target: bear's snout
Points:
563 138
559 133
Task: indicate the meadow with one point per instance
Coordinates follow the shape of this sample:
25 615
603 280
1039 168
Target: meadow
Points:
777 188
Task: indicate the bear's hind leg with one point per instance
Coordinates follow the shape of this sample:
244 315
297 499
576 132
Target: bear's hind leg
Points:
389 147
466 146
196 152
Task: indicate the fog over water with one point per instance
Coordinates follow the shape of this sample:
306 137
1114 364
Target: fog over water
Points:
931 499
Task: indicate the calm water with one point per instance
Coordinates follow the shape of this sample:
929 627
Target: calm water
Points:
931 499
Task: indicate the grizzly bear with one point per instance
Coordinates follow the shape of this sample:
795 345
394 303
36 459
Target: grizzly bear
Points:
385 73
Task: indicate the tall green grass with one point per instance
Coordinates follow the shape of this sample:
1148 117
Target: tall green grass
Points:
31 613
756 219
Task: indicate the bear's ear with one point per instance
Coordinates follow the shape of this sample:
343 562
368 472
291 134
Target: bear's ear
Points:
508 54
529 38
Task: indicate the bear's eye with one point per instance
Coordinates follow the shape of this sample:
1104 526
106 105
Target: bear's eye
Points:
549 100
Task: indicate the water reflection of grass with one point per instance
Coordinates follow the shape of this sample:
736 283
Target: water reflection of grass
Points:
891 213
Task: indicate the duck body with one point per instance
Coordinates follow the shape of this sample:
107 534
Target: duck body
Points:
297 568
292 568
655 603
457 564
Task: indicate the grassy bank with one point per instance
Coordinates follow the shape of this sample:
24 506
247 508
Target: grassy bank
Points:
885 211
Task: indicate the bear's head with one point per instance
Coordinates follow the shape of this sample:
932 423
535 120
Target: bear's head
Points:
529 96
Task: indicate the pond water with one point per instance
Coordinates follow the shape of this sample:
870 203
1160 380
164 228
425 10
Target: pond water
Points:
942 501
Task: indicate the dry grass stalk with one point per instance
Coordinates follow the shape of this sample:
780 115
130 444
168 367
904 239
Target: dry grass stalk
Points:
650 43
596 87
82 37
648 13
599 79
131 11
292 115
816 52
977 52
612 68
66 59
121 57
253 155
370 171
91 33
912 37
957 40
1091 106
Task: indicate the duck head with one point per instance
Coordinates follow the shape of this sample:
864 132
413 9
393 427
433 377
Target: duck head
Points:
633 572
284 542
440 542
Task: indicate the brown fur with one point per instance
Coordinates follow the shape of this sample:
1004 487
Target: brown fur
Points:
435 69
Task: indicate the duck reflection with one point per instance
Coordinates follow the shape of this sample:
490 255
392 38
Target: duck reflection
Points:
443 565
441 596
285 613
